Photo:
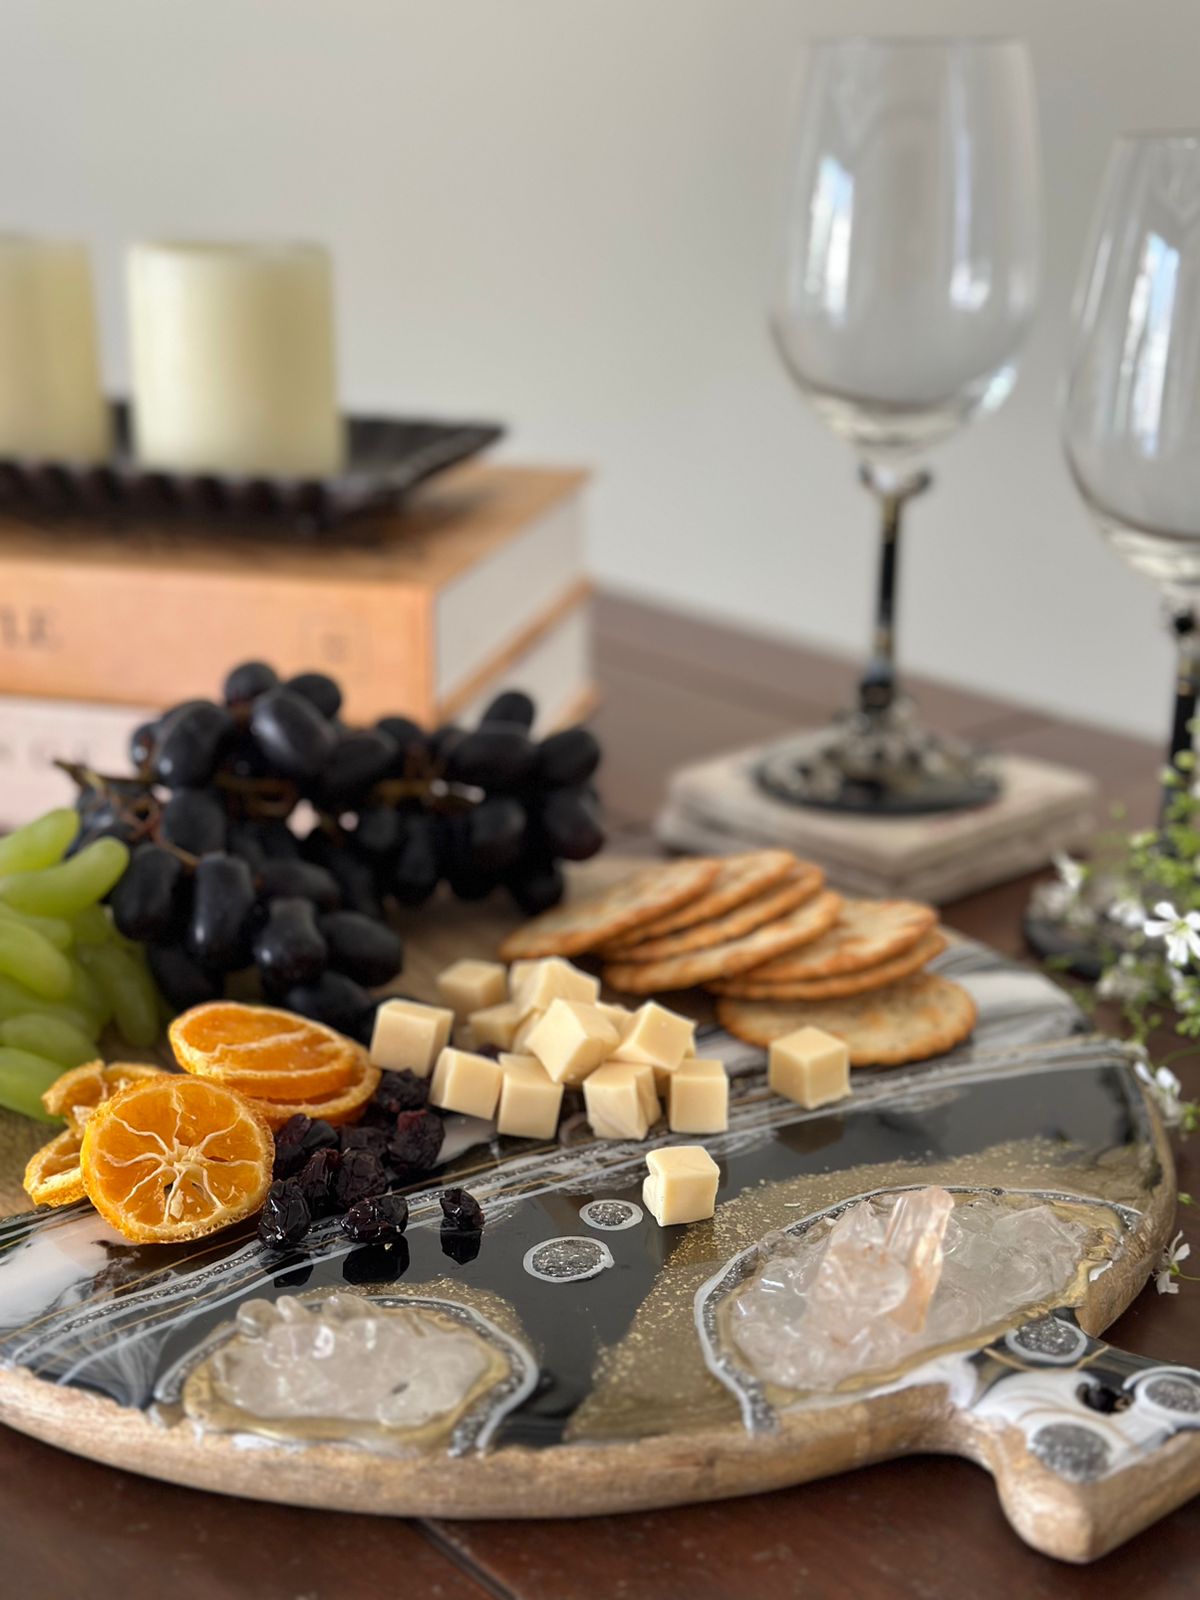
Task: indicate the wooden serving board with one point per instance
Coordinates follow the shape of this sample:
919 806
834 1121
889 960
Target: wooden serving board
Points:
581 1359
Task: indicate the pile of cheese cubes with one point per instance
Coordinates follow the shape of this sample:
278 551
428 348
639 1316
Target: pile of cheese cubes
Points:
552 1032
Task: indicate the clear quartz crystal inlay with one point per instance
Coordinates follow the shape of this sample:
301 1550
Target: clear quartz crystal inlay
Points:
893 1276
345 1358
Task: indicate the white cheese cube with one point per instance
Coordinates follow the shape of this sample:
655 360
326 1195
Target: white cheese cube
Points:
469 986
658 1036
810 1067
681 1185
465 1082
570 1039
698 1097
495 1025
530 1100
615 1101
409 1037
533 985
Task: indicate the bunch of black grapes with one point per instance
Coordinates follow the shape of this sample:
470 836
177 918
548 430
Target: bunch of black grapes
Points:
222 878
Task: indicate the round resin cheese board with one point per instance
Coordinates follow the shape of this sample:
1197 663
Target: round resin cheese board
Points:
927 1266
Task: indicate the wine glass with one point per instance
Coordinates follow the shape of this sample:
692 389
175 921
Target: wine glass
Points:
907 279
1131 433
1131 414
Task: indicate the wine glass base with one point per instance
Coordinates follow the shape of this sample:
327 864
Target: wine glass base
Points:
879 764
1071 950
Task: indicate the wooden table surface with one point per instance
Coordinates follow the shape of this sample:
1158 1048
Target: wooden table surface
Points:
920 1529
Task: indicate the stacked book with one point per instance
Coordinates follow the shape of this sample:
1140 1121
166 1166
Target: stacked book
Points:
477 584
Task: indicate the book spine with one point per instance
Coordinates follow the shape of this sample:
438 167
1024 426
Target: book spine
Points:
91 632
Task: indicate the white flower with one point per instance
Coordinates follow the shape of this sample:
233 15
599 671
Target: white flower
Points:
1165 1089
1168 1267
1128 912
1071 872
1123 981
1182 933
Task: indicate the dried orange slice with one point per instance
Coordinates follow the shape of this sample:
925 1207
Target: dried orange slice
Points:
175 1158
345 1105
262 1052
77 1093
52 1175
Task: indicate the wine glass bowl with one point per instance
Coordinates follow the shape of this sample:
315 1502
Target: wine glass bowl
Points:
1131 411
906 281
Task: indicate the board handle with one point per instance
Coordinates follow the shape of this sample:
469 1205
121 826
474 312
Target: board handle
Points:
1088 1444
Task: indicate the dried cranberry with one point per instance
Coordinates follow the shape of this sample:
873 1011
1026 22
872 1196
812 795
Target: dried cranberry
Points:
299 1138
379 1219
416 1141
373 1139
460 1211
397 1092
285 1215
360 1173
317 1181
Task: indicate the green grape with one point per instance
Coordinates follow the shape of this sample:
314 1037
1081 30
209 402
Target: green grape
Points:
53 929
23 1080
18 1002
92 926
34 962
87 994
51 1037
128 985
66 889
39 844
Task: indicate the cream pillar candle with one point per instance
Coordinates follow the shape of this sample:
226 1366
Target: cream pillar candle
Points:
233 358
51 405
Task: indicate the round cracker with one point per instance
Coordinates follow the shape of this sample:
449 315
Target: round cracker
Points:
569 930
914 1019
806 922
841 983
868 932
739 879
764 908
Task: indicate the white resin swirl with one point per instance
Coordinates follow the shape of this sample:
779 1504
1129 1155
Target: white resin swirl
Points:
348 1360
895 1276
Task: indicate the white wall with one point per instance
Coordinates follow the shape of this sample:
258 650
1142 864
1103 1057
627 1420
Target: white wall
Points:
560 212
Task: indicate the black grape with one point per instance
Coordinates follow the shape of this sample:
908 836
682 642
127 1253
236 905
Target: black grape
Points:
365 950
471 883
536 886
319 690
189 744
514 706
141 743
442 741
338 1002
303 879
496 756
380 831
354 874
567 758
183 982
147 900
406 736
289 949
571 824
362 757
248 681
495 830
276 840
292 733
223 903
194 820
415 873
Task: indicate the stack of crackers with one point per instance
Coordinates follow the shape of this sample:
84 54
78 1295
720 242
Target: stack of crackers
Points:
779 949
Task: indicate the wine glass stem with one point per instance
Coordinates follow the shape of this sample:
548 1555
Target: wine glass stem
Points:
878 687
1187 691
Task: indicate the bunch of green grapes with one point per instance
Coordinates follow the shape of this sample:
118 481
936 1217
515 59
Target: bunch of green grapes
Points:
65 971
